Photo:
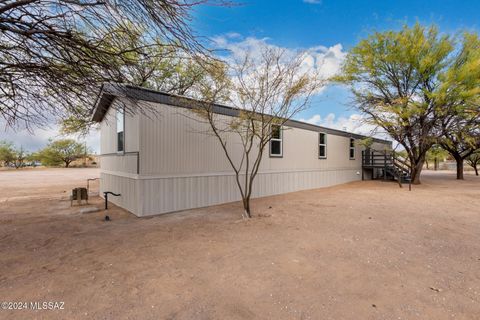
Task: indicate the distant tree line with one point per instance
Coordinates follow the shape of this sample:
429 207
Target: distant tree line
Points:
57 153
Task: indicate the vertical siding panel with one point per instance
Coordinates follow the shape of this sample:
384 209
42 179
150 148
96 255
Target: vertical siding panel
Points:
182 167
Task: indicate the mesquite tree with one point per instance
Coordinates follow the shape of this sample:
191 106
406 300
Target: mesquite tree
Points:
461 140
55 54
164 68
474 161
394 77
12 155
63 151
267 91
459 98
435 154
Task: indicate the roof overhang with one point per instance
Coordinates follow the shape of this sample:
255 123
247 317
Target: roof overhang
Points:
110 91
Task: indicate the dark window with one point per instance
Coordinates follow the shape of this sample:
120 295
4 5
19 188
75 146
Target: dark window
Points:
276 142
120 130
352 149
322 145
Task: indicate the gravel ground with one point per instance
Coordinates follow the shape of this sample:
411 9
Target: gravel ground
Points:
364 250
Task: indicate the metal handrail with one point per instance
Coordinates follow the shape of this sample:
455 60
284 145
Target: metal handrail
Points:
403 164
387 159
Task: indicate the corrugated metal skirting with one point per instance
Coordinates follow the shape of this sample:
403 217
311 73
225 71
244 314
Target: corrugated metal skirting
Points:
147 196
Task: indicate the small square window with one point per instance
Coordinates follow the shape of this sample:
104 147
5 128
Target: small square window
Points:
352 149
276 141
121 130
323 138
276 148
276 132
322 145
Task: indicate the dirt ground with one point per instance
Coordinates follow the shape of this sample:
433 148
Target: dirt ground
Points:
42 183
364 250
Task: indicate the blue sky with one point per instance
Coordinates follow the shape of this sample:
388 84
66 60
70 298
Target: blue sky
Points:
334 25
298 24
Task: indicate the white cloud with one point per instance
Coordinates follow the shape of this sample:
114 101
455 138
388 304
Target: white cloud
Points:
321 60
315 119
233 35
38 138
355 123
325 61
313 1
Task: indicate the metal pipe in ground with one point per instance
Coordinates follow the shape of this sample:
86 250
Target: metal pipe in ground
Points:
105 195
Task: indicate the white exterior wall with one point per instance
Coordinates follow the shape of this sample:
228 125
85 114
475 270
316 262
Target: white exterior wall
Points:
118 170
183 167
174 144
108 142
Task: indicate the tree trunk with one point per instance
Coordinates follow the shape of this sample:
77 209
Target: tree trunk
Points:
416 171
476 170
246 207
67 164
459 161
416 176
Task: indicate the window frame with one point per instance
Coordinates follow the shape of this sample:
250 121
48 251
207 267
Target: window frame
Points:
278 140
350 148
122 111
322 144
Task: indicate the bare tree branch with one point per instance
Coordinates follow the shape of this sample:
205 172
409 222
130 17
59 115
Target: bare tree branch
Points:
266 92
55 54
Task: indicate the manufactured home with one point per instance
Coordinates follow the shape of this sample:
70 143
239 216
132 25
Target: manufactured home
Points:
161 159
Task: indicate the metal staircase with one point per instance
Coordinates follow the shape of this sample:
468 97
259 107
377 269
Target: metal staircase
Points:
385 165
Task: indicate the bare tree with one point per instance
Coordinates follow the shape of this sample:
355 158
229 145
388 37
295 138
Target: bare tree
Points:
54 54
161 68
266 92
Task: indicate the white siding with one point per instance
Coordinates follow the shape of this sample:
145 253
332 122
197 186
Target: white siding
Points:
182 166
111 161
128 188
179 193
173 143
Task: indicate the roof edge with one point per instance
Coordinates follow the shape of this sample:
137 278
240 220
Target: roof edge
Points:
110 91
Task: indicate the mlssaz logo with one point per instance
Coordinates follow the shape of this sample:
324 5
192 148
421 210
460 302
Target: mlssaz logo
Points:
47 305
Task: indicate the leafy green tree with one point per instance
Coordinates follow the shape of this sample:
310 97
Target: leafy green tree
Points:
459 96
7 153
11 155
435 154
20 156
401 153
394 77
460 140
365 142
474 160
61 151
